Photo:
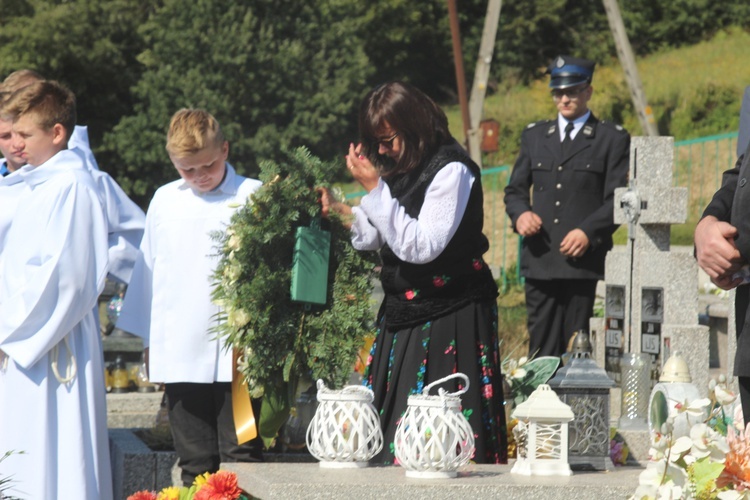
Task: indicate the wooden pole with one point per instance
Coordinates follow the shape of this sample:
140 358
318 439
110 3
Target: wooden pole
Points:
481 76
627 60
458 61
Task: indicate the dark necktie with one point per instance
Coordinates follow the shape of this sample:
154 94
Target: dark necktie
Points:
567 140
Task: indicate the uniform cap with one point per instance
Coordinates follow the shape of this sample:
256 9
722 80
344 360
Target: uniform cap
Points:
568 71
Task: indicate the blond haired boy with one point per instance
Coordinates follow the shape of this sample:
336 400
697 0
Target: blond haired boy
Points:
125 219
168 302
53 269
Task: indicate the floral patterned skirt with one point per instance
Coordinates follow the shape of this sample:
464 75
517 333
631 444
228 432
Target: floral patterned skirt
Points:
403 362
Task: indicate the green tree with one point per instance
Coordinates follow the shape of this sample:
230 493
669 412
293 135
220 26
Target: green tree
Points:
276 74
90 45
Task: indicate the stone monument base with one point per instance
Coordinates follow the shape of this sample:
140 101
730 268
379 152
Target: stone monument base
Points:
271 481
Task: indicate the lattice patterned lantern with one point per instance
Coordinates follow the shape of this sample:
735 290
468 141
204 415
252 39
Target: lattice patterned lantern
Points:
584 386
433 438
345 431
543 431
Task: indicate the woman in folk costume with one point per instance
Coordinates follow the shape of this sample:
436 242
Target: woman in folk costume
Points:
423 211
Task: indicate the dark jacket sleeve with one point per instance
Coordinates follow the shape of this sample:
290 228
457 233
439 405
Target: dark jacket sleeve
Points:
600 225
721 203
517 192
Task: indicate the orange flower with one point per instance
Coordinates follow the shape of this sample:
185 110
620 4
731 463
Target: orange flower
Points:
143 495
737 464
219 486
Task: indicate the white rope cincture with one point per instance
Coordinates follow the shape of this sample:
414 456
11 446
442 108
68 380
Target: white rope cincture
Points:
70 370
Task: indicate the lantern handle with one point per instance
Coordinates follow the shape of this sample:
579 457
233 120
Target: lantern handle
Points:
442 392
347 390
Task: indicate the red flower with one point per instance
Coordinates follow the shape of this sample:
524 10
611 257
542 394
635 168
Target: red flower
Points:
410 294
476 264
219 486
143 495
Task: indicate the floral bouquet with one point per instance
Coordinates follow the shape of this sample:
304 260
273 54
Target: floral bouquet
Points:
712 462
221 485
523 376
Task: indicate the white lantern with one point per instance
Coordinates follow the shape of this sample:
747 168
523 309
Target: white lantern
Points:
433 438
545 440
345 431
675 386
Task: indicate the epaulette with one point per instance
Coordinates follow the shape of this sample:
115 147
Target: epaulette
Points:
535 124
612 125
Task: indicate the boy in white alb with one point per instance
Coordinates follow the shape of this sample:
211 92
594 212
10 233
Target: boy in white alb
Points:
52 396
168 302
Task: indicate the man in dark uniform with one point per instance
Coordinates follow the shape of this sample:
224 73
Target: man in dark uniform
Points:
722 248
573 164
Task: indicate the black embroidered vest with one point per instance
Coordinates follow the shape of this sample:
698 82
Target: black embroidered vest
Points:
417 293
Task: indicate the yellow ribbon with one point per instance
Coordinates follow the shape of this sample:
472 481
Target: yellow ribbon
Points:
242 409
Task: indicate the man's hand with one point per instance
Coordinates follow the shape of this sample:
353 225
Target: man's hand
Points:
528 224
574 244
716 252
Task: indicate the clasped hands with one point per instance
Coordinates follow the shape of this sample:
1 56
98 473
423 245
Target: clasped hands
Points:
717 253
573 245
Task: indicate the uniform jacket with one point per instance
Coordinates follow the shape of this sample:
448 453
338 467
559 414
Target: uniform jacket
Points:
728 204
575 191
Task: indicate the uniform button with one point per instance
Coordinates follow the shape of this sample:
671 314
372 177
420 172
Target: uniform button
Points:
743 181
588 166
556 221
559 186
559 168
539 164
557 203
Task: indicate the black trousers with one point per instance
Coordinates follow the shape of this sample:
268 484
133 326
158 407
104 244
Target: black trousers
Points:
202 423
556 310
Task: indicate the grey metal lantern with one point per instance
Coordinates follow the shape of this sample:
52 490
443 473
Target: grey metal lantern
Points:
584 386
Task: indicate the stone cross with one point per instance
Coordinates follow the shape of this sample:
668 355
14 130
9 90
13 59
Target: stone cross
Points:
651 303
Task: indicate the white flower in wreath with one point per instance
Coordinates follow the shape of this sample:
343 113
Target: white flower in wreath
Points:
234 241
233 271
237 318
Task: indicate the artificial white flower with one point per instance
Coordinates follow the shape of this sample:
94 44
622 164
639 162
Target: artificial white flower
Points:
723 395
513 369
707 443
696 408
734 495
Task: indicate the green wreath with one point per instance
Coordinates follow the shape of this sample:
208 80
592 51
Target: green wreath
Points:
286 341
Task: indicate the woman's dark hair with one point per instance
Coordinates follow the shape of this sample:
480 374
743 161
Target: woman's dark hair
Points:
420 123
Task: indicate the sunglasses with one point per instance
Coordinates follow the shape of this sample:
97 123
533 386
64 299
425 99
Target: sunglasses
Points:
387 142
572 93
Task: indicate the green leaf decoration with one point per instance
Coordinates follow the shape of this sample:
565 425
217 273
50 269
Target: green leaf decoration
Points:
538 371
286 341
704 473
273 413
